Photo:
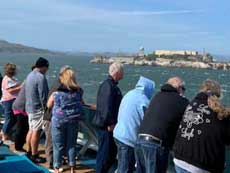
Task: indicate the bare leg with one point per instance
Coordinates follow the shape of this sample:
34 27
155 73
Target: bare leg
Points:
35 141
72 169
4 136
28 140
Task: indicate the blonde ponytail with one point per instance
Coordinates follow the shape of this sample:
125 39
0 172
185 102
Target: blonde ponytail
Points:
213 90
215 104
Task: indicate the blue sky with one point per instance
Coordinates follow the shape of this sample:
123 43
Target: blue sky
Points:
118 25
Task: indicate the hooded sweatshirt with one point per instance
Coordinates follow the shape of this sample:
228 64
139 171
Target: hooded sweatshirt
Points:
131 111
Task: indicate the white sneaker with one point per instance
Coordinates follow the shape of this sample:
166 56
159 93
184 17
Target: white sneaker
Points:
8 142
51 170
60 170
20 153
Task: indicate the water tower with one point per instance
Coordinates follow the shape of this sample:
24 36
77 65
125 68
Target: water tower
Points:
141 53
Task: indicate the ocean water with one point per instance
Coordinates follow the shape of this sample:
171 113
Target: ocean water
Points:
91 75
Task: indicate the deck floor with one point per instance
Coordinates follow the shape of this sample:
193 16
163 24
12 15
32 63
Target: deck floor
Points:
84 166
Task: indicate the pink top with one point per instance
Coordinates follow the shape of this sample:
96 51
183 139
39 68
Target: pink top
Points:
8 83
16 112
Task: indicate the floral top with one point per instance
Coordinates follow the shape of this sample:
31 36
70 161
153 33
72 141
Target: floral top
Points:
67 107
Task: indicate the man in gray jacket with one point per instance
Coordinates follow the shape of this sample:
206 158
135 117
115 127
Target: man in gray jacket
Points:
36 91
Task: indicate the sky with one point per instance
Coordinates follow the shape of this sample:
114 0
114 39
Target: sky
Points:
118 25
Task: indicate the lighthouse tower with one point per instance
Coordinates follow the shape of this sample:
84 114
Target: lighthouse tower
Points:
141 53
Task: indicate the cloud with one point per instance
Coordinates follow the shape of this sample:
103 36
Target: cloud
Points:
67 13
97 27
162 12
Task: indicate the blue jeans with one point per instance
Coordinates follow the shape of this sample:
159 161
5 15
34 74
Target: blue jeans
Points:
64 137
151 157
1 110
180 170
126 158
10 119
107 151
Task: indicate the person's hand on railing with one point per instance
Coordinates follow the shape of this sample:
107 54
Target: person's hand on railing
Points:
90 106
111 128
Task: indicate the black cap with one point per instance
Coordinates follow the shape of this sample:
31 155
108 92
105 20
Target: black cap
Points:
42 62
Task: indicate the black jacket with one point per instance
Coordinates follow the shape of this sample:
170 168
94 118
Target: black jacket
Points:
202 137
108 101
164 114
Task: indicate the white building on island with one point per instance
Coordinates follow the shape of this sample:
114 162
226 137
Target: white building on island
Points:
175 52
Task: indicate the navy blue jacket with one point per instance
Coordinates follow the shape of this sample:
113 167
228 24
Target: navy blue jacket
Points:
108 101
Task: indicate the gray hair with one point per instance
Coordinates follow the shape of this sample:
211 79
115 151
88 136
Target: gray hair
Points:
176 82
115 67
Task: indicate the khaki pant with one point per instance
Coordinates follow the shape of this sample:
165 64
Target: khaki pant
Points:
48 142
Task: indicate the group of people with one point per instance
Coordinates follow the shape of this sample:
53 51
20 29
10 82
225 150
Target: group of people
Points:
140 130
29 107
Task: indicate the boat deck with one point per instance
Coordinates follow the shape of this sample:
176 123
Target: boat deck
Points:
86 165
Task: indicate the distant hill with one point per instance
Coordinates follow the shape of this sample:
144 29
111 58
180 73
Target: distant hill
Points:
106 54
8 47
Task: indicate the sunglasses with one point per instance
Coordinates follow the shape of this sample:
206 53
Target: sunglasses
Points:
183 88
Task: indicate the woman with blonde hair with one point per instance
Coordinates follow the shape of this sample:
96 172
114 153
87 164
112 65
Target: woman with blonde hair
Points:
66 104
203 133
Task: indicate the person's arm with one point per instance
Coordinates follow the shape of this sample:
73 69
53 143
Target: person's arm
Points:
82 100
1 78
15 90
142 110
43 90
227 128
54 87
50 101
108 98
105 103
111 127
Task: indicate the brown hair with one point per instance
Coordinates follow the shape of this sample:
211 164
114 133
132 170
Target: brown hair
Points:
68 78
213 90
10 69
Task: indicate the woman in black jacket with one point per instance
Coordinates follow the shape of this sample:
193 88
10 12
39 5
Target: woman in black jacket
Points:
203 133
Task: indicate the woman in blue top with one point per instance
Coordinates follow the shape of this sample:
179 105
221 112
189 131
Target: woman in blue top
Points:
67 109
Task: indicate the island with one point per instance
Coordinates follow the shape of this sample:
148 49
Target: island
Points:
166 58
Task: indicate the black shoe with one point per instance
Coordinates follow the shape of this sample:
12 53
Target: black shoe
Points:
64 161
51 166
37 159
29 154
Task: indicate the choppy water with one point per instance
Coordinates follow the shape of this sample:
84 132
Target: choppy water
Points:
90 75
